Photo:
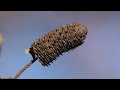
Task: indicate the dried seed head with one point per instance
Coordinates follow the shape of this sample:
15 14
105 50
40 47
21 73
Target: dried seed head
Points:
58 41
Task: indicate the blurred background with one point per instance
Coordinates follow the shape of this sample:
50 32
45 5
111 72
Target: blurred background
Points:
97 58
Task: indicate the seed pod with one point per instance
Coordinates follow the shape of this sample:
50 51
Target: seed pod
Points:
60 40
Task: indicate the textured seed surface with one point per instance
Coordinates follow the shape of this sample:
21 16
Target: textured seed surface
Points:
60 40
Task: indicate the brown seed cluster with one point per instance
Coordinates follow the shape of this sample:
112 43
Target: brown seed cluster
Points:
58 41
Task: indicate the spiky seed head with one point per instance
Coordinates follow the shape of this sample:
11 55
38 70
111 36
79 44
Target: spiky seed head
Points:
60 40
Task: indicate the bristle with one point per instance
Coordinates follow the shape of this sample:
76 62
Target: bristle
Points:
58 41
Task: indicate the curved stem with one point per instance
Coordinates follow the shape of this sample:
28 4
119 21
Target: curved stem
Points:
24 68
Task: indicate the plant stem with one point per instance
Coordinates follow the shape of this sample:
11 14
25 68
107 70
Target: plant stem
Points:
24 68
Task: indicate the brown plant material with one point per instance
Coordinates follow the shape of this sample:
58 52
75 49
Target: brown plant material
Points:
58 41
23 69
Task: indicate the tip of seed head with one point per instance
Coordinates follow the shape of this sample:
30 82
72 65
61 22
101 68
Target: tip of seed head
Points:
27 50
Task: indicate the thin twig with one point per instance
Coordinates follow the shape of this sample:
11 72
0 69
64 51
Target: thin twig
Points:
24 68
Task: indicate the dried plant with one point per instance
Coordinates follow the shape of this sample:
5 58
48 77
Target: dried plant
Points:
53 44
